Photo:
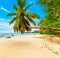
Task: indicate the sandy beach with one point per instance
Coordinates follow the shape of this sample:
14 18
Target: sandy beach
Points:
33 46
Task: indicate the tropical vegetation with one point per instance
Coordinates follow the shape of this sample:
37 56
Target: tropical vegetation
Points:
22 18
52 19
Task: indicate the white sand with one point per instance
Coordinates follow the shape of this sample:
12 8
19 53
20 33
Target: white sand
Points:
28 47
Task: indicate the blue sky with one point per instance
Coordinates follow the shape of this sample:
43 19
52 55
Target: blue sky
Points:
6 6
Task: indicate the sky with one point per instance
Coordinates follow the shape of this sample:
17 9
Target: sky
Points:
6 6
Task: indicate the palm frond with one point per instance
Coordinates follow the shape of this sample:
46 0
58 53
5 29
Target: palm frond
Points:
31 20
21 3
28 6
20 26
11 14
16 26
13 20
15 7
33 15
27 25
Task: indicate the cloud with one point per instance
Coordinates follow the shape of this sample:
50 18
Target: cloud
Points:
5 24
5 9
1 19
5 27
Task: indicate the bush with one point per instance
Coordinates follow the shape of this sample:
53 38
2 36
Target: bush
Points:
49 32
46 32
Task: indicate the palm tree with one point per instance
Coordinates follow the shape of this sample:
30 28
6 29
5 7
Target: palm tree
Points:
22 18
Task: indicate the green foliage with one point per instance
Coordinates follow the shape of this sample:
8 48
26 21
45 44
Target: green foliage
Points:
31 20
46 32
28 6
21 3
12 20
22 18
33 15
52 19
49 23
11 14
15 7
52 7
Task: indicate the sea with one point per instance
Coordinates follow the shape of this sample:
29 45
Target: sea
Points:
15 34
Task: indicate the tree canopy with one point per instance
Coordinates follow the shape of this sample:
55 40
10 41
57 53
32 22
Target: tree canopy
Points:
22 18
52 8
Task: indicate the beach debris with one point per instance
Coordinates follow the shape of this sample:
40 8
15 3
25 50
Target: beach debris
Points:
8 37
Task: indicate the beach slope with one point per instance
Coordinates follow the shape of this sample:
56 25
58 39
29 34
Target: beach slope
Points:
28 47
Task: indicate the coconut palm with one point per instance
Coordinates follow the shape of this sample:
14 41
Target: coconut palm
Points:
22 18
